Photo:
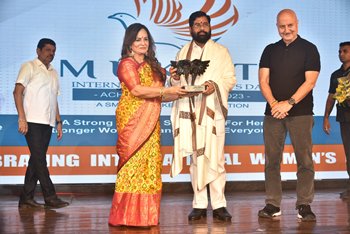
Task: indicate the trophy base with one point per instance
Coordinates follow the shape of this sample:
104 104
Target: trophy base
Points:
194 88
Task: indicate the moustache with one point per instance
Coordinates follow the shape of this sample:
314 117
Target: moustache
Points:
202 34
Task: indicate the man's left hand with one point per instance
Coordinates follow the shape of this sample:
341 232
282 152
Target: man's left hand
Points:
280 110
59 131
209 88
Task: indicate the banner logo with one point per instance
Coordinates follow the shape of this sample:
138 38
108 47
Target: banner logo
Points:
168 14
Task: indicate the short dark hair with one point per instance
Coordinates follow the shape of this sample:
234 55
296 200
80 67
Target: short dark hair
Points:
44 41
196 15
345 43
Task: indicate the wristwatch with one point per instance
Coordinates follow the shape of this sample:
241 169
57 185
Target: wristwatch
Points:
291 101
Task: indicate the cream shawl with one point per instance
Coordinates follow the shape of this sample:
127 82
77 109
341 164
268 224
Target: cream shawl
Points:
199 127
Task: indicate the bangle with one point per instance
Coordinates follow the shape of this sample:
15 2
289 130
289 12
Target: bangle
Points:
161 92
59 122
273 103
22 120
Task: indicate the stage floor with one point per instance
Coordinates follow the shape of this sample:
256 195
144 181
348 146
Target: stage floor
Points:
88 213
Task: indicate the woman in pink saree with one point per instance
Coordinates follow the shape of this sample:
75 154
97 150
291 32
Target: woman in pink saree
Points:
136 200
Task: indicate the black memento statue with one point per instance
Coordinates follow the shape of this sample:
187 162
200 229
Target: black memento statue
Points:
186 67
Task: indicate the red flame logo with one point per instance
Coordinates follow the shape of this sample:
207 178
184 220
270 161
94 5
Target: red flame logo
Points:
168 14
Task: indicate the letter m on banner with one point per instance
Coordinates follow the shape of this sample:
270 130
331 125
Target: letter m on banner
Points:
89 65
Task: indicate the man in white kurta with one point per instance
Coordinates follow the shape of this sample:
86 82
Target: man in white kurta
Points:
199 122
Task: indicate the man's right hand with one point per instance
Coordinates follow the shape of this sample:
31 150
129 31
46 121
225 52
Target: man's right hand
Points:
22 126
280 110
173 74
326 126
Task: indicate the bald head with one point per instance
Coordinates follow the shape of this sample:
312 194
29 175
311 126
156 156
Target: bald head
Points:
287 25
288 12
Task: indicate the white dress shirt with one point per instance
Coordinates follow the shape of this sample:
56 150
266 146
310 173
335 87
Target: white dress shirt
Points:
40 93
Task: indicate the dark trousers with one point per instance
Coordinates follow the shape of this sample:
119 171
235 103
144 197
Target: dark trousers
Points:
300 132
345 136
38 139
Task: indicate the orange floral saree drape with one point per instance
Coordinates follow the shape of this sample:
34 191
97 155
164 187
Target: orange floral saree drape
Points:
136 200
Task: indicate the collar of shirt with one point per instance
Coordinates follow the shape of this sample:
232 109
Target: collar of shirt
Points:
40 64
196 51
292 43
345 71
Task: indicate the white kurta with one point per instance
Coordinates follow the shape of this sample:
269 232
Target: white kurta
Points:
210 115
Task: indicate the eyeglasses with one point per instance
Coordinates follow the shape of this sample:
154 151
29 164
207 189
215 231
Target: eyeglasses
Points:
198 25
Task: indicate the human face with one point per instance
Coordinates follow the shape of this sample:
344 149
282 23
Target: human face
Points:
200 30
141 43
287 25
46 54
344 54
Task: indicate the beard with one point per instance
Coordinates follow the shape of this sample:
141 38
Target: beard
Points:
201 37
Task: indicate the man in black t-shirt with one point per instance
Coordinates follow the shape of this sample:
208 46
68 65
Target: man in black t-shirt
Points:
343 110
288 72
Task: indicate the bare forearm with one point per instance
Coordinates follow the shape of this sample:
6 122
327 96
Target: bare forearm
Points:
58 116
302 91
158 92
264 79
329 106
146 92
170 98
18 98
306 87
267 93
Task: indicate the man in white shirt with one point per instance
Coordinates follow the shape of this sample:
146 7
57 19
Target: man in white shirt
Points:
35 94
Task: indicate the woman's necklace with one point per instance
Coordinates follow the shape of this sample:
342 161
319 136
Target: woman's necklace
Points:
139 61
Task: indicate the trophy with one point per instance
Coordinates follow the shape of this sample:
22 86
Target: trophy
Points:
194 68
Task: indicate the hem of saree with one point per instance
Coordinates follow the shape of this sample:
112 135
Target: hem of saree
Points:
135 209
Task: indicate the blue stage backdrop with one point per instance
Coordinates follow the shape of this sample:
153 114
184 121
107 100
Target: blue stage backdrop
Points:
89 36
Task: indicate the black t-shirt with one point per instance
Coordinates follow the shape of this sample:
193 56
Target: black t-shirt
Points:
343 112
288 65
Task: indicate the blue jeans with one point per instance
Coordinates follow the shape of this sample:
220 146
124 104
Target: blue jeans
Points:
300 133
38 139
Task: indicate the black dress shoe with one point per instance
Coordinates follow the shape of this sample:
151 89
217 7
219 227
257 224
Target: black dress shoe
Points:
197 214
55 203
222 214
30 203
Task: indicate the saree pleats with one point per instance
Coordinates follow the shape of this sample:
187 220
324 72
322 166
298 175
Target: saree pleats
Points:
136 200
